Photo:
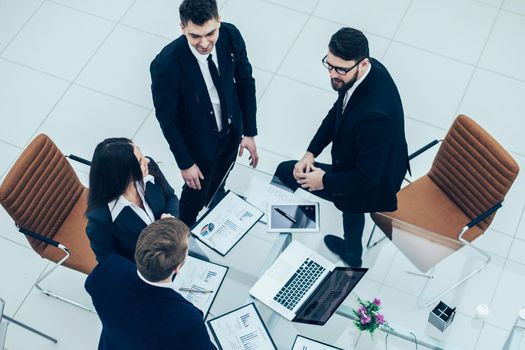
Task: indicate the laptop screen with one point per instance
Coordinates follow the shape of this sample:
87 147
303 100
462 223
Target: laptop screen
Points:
321 305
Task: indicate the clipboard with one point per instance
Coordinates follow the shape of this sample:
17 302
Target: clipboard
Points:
303 343
202 301
226 215
245 327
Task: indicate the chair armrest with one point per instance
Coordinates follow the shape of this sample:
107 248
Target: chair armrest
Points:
42 238
79 159
423 149
480 218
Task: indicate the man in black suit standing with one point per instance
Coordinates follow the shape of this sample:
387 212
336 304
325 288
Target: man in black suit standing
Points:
204 96
137 305
369 151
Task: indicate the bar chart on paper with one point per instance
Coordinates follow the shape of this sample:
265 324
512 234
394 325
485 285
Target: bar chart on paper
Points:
199 281
241 329
224 225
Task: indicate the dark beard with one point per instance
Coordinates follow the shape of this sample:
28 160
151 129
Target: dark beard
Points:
345 87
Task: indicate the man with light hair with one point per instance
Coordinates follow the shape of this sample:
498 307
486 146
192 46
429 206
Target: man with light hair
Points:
137 305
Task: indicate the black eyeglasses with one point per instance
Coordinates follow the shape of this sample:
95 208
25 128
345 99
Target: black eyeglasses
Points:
339 70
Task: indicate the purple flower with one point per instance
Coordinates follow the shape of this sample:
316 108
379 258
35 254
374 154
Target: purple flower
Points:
377 301
380 319
365 319
361 310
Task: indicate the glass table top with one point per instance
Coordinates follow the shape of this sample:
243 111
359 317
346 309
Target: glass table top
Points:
424 252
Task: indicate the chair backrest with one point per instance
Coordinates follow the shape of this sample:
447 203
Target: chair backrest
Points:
473 169
40 189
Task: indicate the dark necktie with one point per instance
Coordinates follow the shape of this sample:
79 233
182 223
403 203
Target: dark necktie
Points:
340 99
220 91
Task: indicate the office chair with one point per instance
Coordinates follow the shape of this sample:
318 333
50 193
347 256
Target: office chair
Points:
458 197
45 198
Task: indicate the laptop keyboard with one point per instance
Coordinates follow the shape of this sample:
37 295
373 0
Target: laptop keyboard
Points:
299 284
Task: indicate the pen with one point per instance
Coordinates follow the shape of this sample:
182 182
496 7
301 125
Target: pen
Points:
289 217
195 290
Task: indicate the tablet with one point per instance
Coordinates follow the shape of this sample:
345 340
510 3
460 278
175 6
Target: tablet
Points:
293 217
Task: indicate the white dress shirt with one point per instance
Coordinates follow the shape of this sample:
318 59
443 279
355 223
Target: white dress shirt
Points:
156 284
146 214
356 84
212 90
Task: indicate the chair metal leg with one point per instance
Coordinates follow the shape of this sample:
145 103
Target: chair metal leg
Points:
31 329
55 295
368 245
466 277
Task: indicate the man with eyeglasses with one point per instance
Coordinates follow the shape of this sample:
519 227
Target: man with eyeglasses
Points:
204 97
369 152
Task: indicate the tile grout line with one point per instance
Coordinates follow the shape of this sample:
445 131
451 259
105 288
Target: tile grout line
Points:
391 40
30 289
71 83
35 69
281 75
286 7
287 52
21 28
477 62
81 11
396 30
112 96
75 83
142 124
514 238
53 108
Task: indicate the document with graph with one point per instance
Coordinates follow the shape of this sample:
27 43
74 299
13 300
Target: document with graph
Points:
241 329
224 225
199 281
304 343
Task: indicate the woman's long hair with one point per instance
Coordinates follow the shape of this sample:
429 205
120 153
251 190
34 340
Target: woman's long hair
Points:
113 167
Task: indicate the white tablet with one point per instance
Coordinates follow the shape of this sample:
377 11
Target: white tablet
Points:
293 217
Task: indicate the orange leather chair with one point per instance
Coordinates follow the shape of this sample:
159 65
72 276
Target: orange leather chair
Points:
46 200
459 196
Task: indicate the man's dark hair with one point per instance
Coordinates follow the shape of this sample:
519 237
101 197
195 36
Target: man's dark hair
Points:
198 11
113 167
349 44
161 247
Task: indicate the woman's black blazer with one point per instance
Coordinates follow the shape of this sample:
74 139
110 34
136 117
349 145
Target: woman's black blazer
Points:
120 236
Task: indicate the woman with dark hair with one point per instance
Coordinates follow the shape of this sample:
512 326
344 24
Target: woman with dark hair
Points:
127 192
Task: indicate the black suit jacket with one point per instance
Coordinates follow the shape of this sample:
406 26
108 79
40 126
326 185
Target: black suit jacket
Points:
182 103
120 236
137 316
369 150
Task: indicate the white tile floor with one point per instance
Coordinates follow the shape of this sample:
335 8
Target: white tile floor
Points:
78 71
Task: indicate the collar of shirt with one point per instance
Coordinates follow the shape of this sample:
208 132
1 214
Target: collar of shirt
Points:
117 205
356 84
156 284
202 59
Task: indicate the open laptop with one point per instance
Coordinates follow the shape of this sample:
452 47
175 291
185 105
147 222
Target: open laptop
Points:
302 286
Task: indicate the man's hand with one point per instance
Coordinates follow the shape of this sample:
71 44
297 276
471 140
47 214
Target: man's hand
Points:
248 142
304 165
166 215
312 181
192 177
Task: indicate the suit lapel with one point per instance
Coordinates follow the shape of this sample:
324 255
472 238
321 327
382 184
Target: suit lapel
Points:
194 74
130 221
155 198
225 59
